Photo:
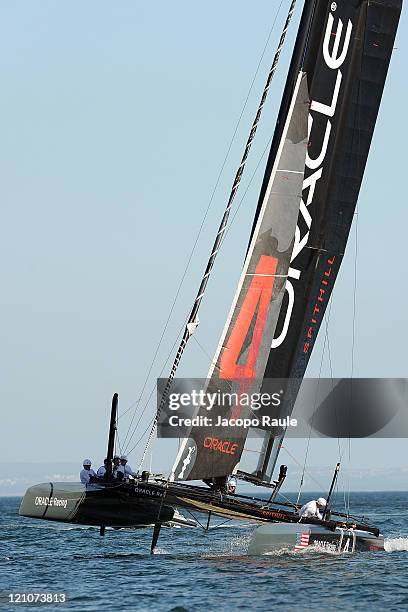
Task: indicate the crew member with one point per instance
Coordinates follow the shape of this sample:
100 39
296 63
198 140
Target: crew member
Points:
218 484
115 466
313 509
101 473
231 485
125 468
86 474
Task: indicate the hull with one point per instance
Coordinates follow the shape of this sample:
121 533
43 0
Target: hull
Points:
145 504
93 505
293 537
133 505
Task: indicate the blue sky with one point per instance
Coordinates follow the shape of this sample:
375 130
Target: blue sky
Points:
116 118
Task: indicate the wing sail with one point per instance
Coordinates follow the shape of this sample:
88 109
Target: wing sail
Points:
244 347
346 58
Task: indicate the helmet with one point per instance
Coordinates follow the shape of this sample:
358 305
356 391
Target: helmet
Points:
123 458
87 462
321 502
116 457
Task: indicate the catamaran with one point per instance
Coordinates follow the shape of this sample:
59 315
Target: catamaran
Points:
296 245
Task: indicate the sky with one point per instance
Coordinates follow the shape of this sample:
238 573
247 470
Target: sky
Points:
115 121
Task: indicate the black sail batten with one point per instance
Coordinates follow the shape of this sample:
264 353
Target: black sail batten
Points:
345 102
245 342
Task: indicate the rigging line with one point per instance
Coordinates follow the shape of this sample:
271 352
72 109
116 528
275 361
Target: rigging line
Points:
357 135
194 337
225 235
311 423
140 439
280 494
266 148
353 327
223 225
327 321
319 484
121 449
129 408
154 388
210 359
135 404
268 144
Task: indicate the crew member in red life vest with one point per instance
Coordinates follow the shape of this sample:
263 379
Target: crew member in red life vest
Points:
231 485
87 472
313 509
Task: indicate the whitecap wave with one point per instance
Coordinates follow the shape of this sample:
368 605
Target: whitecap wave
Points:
394 544
279 552
161 551
307 551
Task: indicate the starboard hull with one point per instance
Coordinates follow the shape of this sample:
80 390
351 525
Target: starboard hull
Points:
297 537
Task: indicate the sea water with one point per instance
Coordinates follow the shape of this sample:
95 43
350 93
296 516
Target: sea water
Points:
197 570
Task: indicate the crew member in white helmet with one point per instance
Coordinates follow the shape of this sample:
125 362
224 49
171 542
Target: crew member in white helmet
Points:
87 472
115 465
231 485
313 509
125 468
102 470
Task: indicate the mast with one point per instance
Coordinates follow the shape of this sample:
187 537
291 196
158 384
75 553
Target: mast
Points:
333 483
112 433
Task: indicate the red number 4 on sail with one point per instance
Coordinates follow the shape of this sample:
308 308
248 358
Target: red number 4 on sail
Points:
256 301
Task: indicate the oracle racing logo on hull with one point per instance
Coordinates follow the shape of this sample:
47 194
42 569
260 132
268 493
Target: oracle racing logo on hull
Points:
335 49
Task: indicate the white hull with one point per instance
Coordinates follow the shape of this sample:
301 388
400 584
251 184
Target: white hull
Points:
294 537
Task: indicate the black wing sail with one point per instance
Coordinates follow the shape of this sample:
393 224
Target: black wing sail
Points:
346 59
344 49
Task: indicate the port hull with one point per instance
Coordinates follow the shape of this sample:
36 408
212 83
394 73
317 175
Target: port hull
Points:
92 505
